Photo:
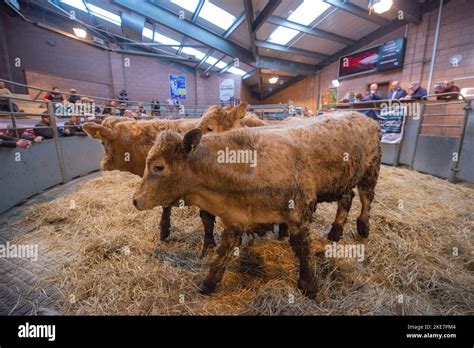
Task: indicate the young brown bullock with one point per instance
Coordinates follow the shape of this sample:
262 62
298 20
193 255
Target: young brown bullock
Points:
321 160
218 120
127 143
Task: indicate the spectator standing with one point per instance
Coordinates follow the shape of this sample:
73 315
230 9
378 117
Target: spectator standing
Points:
4 92
45 133
73 96
110 109
74 127
54 96
358 98
396 92
123 96
140 109
416 92
373 93
4 103
448 87
155 108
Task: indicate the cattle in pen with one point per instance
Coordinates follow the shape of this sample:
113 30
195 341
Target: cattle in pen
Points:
321 160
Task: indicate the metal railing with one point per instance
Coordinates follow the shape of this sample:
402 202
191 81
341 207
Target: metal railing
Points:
423 116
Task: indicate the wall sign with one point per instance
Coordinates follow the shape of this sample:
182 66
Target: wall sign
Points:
391 55
384 57
226 90
177 86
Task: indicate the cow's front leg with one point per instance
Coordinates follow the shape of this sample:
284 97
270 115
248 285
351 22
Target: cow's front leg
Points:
343 208
208 221
231 238
165 223
299 241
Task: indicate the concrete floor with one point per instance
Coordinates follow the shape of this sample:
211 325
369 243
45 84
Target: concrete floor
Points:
19 294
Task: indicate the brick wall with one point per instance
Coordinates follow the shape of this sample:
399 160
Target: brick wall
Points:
456 37
70 63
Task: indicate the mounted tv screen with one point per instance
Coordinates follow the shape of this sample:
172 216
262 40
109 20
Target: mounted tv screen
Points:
360 62
384 57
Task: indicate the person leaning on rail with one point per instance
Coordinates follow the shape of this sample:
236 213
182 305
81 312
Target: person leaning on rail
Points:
12 142
416 92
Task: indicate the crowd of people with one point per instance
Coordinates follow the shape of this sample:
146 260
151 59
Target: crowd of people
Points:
445 91
24 138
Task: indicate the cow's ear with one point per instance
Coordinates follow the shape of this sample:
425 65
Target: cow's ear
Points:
98 132
239 111
228 108
191 140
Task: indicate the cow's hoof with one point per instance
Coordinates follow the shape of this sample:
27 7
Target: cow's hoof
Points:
336 232
308 288
164 233
362 228
207 287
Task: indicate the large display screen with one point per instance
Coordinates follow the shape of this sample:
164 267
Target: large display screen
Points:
363 61
384 57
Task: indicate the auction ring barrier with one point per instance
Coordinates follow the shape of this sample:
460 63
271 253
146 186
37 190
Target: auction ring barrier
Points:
443 148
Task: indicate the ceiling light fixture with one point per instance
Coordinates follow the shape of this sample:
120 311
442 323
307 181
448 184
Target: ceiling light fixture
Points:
380 6
273 79
81 33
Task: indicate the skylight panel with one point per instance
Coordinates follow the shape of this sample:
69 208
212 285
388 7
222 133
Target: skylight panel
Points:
193 52
308 11
305 14
189 5
216 15
95 10
236 71
148 33
282 35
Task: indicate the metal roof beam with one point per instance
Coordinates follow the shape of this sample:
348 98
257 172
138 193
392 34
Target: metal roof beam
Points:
358 11
285 65
249 16
185 27
292 50
266 12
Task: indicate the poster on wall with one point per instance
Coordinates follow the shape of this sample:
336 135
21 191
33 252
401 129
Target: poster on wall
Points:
391 121
226 90
178 86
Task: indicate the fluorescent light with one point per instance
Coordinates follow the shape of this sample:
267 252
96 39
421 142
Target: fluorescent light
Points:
80 33
273 79
193 52
382 6
282 35
305 14
189 5
335 83
217 16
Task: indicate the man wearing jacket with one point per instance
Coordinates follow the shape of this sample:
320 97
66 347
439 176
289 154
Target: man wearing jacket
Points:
396 92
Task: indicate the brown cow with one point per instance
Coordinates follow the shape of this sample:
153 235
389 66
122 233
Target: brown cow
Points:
323 158
126 144
218 120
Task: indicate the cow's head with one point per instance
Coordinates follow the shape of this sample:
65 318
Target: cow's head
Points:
125 147
167 166
218 119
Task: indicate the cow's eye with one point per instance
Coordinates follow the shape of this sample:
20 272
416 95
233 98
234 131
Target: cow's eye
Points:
209 129
158 168
102 143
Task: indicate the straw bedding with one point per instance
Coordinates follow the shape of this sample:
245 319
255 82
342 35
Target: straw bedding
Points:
418 258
